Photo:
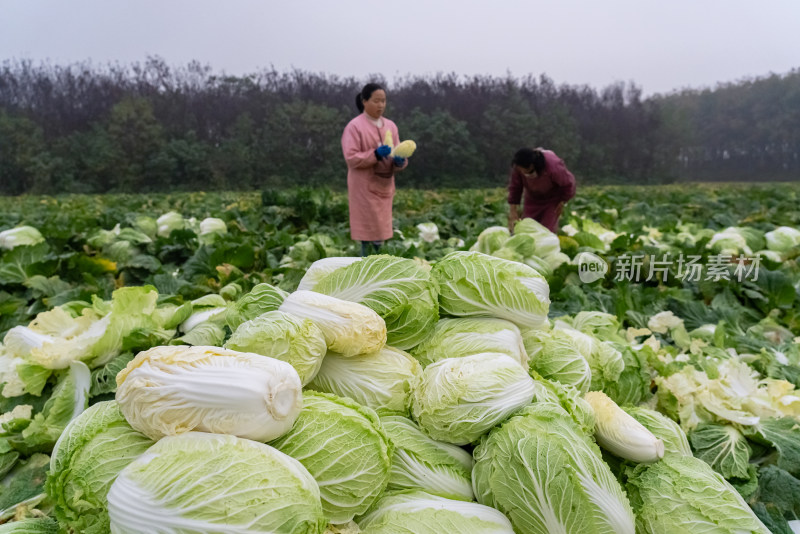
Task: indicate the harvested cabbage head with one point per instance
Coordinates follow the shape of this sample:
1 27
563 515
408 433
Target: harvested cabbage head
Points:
398 289
349 328
422 513
464 336
344 447
20 236
171 390
547 475
54 339
420 462
322 268
261 299
491 239
199 482
86 460
459 399
405 149
683 494
383 380
561 355
621 434
168 222
478 285
284 337
783 239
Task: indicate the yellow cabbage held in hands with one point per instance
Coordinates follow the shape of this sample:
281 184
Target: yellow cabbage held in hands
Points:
405 149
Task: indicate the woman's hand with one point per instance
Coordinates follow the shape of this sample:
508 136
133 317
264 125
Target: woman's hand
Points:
382 151
513 216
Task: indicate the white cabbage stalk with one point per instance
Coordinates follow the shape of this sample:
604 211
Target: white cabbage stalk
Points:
170 390
621 434
322 268
349 328
795 526
23 235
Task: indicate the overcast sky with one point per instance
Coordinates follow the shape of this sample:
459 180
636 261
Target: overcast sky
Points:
661 45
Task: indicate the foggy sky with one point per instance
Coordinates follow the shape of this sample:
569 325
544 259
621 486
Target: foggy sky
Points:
659 45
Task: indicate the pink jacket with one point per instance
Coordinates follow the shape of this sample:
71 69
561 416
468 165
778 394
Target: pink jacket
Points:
370 183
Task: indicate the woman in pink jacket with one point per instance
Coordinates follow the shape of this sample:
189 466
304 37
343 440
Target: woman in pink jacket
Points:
370 169
546 183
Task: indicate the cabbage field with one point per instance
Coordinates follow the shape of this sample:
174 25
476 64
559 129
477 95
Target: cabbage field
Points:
224 363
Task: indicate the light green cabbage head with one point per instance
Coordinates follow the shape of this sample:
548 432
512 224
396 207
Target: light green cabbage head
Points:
168 222
491 239
20 236
420 462
349 328
261 299
561 356
460 399
212 228
383 380
683 494
170 390
279 335
398 289
474 284
199 482
419 512
344 447
548 476
783 239
86 460
322 268
463 336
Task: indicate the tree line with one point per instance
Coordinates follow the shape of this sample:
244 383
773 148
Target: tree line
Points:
85 128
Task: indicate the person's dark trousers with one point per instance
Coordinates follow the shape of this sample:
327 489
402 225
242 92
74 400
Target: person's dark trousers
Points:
367 245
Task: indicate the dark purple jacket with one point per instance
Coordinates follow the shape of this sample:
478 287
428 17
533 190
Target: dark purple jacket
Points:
554 185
